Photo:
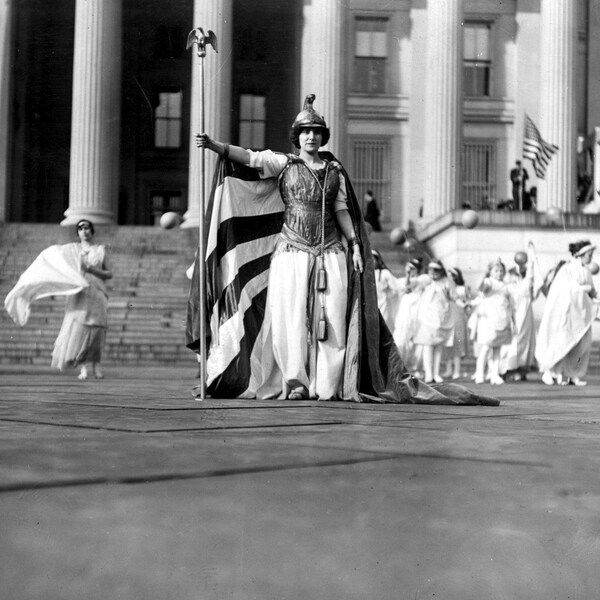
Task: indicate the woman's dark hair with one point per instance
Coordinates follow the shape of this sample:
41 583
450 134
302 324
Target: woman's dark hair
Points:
84 221
295 134
417 263
437 265
377 260
575 247
493 264
457 276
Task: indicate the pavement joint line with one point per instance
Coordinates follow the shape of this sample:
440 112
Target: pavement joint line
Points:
378 423
443 414
186 429
136 480
456 417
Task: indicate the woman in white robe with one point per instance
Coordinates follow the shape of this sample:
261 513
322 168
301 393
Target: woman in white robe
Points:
565 334
80 341
518 358
78 271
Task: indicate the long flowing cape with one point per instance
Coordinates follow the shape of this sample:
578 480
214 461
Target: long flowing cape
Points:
55 272
243 219
568 315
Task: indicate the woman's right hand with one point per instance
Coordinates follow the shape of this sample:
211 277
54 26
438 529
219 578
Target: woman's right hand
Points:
202 140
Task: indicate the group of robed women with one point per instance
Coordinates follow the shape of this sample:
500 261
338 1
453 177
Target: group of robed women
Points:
433 315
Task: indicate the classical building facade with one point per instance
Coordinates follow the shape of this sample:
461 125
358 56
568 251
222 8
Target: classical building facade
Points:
426 99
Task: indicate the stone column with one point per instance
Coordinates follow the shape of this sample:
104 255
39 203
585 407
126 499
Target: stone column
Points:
323 70
96 118
213 15
5 95
558 118
443 107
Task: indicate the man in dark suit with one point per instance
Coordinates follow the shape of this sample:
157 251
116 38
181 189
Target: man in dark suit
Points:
519 177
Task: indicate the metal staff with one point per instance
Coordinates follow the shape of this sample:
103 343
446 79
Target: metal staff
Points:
197 36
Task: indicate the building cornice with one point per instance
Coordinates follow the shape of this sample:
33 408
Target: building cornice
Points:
378 108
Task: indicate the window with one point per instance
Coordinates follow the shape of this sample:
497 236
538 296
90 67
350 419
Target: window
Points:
167 120
162 201
370 55
252 121
371 171
476 59
479 174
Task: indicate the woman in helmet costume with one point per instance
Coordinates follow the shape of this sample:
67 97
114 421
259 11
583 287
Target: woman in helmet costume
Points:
327 336
308 308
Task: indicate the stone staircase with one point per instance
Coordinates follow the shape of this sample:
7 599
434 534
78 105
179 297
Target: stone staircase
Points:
148 294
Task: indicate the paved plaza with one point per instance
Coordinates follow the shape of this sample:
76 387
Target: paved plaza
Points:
128 488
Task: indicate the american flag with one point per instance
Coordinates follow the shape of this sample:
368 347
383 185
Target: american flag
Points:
245 218
536 149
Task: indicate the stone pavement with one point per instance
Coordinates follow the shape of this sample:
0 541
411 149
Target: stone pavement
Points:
129 489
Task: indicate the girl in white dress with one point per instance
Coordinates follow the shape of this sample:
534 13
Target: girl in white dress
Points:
492 322
434 320
460 333
409 291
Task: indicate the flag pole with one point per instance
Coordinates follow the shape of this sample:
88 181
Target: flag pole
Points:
197 36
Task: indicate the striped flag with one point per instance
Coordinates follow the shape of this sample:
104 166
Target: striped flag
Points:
245 218
536 149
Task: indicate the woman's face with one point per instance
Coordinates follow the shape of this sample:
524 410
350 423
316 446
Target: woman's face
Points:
586 258
310 139
497 272
435 274
84 231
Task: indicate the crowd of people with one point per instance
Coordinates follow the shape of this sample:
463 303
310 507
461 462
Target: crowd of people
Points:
437 321
317 327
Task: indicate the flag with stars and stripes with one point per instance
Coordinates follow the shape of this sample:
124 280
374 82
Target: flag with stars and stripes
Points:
536 149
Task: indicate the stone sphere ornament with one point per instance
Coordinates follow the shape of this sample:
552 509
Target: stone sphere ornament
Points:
397 236
410 244
554 214
470 219
169 220
520 258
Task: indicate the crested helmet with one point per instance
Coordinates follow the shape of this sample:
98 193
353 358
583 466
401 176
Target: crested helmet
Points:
309 117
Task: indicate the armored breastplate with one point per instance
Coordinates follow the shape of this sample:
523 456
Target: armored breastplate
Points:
302 192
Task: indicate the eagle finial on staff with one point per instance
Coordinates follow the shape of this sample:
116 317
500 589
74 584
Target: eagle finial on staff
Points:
197 36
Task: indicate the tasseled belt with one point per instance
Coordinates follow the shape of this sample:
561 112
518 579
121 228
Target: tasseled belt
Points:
290 239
